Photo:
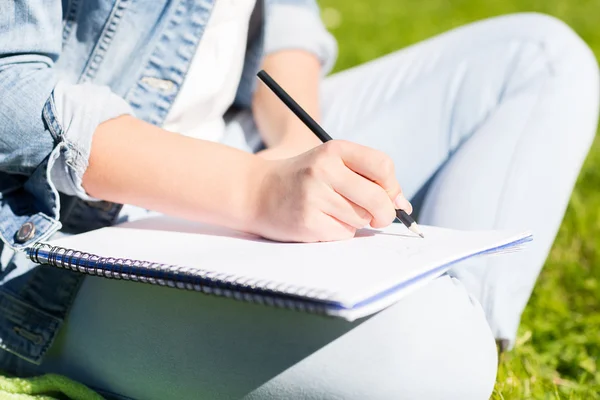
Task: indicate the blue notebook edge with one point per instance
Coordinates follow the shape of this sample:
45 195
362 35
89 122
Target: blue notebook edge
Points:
436 271
178 277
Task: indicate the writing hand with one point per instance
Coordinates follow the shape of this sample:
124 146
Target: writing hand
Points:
327 193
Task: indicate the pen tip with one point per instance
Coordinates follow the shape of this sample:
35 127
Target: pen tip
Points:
422 236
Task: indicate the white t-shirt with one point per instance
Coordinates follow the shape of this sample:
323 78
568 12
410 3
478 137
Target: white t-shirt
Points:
211 82
212 79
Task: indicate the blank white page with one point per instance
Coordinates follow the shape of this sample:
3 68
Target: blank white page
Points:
353 271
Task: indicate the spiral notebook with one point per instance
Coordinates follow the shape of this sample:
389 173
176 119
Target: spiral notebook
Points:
347 279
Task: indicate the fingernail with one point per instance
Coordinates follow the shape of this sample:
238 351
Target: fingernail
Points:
403 204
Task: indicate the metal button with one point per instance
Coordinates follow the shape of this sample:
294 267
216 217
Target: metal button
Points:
25 232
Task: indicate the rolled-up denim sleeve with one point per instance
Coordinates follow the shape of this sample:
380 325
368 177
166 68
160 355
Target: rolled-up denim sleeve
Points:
46 125
296 24
72 116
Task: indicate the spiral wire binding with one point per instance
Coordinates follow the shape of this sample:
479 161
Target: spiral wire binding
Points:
241 288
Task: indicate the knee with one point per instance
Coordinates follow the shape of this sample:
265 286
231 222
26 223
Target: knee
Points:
561 43
453 356
574 65
434 344
551 50
468 371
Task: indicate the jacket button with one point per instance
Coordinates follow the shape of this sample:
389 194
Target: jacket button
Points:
25 232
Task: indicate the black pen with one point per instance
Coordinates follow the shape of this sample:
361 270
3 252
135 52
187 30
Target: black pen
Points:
311 124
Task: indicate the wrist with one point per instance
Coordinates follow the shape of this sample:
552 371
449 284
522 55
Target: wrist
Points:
253 194
299 136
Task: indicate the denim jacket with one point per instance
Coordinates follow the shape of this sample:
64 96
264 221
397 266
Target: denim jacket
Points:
67 66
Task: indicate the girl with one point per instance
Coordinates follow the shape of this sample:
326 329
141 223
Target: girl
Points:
116 107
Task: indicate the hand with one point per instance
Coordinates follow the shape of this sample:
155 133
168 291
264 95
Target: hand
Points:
327 193
281 152
291 145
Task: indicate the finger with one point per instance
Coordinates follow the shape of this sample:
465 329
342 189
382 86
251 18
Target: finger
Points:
326 228
370 163
334 229
346 211
375 166
365 194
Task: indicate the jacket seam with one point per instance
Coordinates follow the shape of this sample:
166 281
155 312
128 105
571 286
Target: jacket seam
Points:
103 42
72 9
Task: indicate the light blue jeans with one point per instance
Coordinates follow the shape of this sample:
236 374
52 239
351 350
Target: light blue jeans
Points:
488 126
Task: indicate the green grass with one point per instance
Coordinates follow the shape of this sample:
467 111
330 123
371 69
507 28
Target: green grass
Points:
558 350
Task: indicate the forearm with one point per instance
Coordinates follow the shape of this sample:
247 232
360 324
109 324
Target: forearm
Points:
298 72
133 162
